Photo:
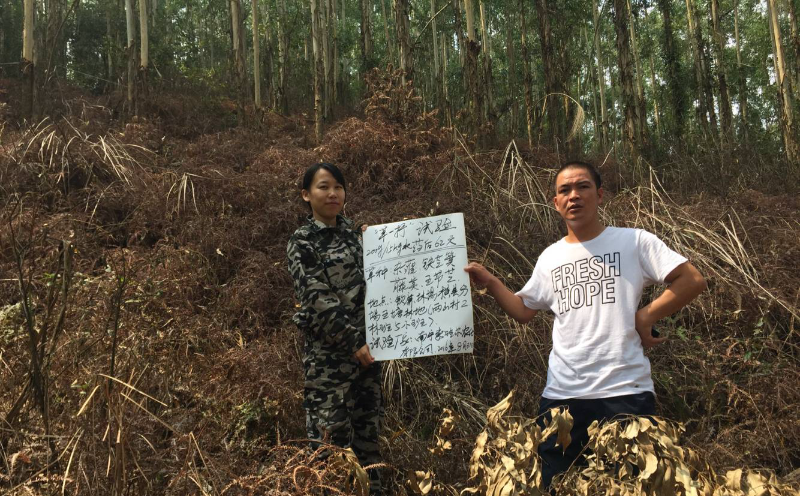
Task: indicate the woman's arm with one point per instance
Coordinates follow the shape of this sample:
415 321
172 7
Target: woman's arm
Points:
327 319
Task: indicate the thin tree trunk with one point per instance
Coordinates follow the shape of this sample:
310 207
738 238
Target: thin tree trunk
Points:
283 55
694 36
742 83
656 110
795 44
488 82
601 77
526 73
626 79
443 79
130 49
389 44
28 65
707 85
109 43
4 7
552 84
238 51
53 14
591 87
512 76
271 75
319 76
458 30
334 32
144 47
435 77
365 38
327 50
256 56
784 90
719 56
677 92
640 101
404 39
471 76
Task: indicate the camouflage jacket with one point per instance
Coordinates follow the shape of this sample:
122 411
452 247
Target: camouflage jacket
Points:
326 264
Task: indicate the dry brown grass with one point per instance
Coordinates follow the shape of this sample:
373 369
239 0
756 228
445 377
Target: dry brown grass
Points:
195 217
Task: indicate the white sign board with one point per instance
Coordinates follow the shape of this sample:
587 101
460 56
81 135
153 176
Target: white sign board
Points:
418 299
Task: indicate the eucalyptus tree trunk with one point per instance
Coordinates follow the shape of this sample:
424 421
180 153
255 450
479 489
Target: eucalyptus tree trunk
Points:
795 44
632 121
144 46
471 75
327 51
269 93
256 56
389 45
512 75
238 49
740 74
3 8
719 59
435 77
601 76
403 28
365 38
784 90
707 84
459 32
443 79
130 49
526 73
552 83
488 83
656 110
283 55
334 33
694 37
591 87
675 85
319 76
54 13
640 101
109 42
27 64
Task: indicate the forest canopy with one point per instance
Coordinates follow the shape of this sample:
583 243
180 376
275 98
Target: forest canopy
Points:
655 76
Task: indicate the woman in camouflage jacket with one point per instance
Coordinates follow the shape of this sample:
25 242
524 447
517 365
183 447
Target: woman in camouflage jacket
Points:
342 381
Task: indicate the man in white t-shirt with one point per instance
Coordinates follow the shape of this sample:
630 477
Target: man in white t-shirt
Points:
592 280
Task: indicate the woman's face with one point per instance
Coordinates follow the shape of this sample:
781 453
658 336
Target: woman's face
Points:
326 197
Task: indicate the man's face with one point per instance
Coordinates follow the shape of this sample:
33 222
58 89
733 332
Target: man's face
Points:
577 196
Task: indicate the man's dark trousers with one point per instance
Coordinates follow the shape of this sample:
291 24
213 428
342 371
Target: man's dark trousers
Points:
584 412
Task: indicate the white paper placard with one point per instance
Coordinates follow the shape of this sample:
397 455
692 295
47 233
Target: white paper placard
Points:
418 299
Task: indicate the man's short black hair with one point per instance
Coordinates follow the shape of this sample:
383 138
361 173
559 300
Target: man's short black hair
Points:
579 164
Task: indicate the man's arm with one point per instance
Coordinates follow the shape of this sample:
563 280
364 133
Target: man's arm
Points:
685 283
508 301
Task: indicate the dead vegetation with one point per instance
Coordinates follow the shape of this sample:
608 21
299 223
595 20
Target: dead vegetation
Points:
176 367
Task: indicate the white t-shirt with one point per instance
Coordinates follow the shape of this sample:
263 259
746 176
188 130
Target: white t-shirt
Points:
594 289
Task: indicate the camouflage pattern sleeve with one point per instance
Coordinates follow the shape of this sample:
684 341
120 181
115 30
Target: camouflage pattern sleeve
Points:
322 315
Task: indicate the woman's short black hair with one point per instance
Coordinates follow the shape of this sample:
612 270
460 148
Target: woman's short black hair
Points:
308 177
579 164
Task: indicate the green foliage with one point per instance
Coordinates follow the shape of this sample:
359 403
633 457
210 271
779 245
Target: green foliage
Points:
190 48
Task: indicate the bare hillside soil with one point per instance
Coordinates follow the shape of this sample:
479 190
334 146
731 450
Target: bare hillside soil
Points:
145 259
